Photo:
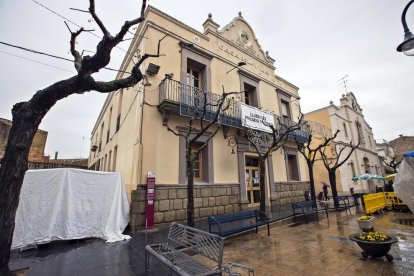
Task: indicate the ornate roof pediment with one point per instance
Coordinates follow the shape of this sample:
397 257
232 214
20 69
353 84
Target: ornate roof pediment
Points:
239 32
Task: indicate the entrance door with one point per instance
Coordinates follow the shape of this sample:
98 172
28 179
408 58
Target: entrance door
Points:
253 181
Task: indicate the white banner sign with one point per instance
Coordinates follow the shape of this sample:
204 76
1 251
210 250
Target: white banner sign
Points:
255 118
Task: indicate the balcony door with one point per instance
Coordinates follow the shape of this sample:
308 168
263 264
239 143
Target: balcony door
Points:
194 84
252 171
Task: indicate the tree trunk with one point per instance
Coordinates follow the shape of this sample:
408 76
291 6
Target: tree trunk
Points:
13 167
262 181
311 180
190 191
332 182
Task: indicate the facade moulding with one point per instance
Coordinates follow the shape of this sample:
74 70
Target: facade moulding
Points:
195 49
235 45
284 80
175 21
214 55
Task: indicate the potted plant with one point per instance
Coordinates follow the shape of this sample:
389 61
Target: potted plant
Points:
374 244
366 223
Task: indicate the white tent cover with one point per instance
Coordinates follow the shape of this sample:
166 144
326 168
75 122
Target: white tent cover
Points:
63 204
404 185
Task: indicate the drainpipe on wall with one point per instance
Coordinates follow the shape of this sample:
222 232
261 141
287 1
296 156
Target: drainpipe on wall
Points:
141 145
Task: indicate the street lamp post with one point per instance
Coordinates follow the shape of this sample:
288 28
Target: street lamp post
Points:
407 46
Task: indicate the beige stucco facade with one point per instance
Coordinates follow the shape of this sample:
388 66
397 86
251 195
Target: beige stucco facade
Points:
349 120
130 135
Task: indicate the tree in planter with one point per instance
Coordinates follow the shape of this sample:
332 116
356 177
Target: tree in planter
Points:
28 115
204 111
265 143
309 151
335 160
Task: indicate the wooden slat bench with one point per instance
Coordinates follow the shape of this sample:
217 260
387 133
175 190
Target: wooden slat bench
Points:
233 223
309 207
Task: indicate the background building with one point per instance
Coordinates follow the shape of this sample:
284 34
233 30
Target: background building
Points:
37 158
37 150
130 134
349 120
401 145
386 153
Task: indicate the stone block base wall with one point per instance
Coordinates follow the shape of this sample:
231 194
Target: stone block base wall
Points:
287 193
171 202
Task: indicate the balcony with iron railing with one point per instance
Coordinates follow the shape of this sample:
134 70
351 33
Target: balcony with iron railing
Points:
181 99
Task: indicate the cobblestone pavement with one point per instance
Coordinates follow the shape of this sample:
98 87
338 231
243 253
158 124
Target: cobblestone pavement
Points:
317 248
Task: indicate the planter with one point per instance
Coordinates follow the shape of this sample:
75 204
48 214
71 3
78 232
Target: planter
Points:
375 249
366 225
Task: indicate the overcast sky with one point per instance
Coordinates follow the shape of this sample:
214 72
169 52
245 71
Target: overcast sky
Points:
314 42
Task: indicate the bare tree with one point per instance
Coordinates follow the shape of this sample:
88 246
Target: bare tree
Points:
28 115
393 163
309 150
266 143
204 111
341 152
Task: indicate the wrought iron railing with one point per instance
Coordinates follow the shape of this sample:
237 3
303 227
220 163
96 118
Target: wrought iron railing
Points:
195 102
198 103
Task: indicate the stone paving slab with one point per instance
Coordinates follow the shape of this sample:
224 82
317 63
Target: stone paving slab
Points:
317 248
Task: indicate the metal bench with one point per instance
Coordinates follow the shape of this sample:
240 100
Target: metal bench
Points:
227 224
309 207
189 252
344 204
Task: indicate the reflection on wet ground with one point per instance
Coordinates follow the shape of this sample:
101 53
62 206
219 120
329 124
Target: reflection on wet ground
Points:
306 249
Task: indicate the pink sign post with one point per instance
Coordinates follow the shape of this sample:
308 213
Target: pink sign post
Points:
149 208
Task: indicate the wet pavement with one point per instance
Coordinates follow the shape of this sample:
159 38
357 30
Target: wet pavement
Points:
317 248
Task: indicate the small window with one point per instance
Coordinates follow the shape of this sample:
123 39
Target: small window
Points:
353 169
293 170
193 77
198 163
118 122
109 161
345 130
100 137
250 95
285 109
114 161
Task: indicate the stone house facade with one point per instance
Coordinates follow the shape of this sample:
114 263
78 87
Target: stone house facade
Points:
130 134
350 121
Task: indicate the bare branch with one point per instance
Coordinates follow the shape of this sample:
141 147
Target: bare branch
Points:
174 132
353 148
79 10
134 78
97 19
205 144
128 24
74 52
145 56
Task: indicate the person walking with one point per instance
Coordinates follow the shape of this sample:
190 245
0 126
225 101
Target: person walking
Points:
325 187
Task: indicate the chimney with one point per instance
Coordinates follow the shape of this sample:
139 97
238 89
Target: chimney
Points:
56 155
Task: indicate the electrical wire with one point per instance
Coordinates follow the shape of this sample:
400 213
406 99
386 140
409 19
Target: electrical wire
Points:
36 61
34 51
53 56
79 26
